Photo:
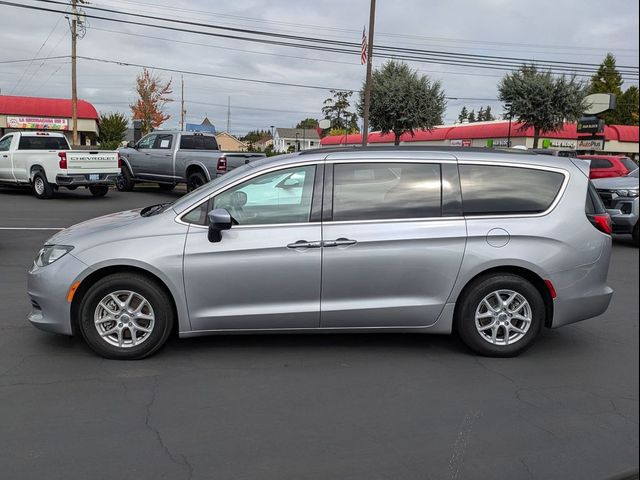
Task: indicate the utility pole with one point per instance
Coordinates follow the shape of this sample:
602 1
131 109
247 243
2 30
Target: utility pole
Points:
74 87
228 113
182 103
367 88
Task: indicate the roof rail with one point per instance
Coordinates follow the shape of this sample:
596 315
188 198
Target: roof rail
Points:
413 148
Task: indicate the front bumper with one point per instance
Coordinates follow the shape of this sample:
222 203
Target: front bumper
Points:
624 211
87 179
47 288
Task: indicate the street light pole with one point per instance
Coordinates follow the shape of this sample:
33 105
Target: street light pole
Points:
367 87
509 105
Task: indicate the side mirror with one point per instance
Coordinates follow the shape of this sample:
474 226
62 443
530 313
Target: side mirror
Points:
219 219
131 145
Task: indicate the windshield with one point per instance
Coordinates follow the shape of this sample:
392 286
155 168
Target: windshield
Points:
634 174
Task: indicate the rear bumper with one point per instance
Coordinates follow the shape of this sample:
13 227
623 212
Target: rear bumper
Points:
79 180
582 292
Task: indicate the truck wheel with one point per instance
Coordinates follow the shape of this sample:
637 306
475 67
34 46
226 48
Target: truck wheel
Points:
41 187
195 180
98 190
636 236
167 187
125 182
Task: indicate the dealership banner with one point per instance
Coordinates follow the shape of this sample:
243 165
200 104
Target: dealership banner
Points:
38 123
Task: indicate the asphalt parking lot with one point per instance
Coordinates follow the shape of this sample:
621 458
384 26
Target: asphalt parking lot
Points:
320 407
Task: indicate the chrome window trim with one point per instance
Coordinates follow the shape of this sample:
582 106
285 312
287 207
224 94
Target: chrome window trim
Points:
275 168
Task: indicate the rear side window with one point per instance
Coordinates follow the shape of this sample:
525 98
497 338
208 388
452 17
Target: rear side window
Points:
601 163
42 143
375 191
495 190
198 142
629 164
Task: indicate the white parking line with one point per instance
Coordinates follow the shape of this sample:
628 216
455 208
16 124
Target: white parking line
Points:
32 228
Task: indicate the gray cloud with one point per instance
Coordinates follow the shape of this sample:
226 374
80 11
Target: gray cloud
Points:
545 30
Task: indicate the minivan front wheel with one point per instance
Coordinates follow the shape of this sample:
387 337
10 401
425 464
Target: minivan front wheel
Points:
500 315
125 317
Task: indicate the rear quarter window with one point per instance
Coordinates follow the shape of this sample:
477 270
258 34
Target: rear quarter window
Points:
198 142
497 190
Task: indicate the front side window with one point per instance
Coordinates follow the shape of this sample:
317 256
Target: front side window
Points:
283 196
5 143
628 163
147 142
377 191
495 190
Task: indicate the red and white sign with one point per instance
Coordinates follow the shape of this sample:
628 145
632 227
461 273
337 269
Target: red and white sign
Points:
590 144
460 143
38 123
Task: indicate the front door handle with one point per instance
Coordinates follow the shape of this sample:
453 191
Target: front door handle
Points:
304 244
339 242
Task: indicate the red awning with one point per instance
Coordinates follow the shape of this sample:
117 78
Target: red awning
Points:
45 107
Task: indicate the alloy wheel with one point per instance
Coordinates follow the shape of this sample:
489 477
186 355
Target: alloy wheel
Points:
124 319
503 317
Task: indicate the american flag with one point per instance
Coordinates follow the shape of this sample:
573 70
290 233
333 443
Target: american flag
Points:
363 51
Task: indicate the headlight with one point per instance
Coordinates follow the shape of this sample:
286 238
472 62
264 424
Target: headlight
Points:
51 253
627 193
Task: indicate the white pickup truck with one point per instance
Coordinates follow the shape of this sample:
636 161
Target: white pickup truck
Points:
44 161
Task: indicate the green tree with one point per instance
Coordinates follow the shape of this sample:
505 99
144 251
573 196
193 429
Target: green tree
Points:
113 130
472 116
308 123
627 109
488 116
336 109
403 101
608 80
464 114
542 101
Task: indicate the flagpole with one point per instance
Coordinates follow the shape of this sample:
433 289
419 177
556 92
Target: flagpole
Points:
367 87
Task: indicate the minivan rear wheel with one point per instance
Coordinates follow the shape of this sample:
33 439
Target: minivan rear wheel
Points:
125 316
500 315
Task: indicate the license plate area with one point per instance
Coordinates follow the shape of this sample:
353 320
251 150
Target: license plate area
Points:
94 177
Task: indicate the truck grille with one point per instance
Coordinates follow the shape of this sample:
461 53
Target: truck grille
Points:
608 198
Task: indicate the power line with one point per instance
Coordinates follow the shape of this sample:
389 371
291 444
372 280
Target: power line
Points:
427 56
355 31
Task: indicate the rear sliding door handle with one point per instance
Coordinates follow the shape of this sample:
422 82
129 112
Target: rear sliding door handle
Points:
304 244
339 242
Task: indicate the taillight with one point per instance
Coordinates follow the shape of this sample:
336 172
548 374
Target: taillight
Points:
63 160
119 161
221 167
602 221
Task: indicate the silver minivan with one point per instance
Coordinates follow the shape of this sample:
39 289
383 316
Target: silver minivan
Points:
491 245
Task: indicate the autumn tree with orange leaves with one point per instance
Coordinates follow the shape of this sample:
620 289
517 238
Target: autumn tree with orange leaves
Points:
153 95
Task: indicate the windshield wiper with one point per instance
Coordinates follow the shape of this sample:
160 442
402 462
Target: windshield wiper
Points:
154 209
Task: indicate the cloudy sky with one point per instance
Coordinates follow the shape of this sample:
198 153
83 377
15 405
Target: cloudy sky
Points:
567 31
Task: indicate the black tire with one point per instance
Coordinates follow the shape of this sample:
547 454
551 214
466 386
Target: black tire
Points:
195 180
125 182
41 187
166 187
148 289
470 302
635 235
99 190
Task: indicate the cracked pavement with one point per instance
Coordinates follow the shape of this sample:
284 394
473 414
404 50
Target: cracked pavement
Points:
307 407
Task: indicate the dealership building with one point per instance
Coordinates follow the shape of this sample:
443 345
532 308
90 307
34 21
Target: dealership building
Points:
34 113
615 139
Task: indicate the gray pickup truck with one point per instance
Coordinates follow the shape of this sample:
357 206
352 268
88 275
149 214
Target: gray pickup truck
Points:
620 198
169 157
